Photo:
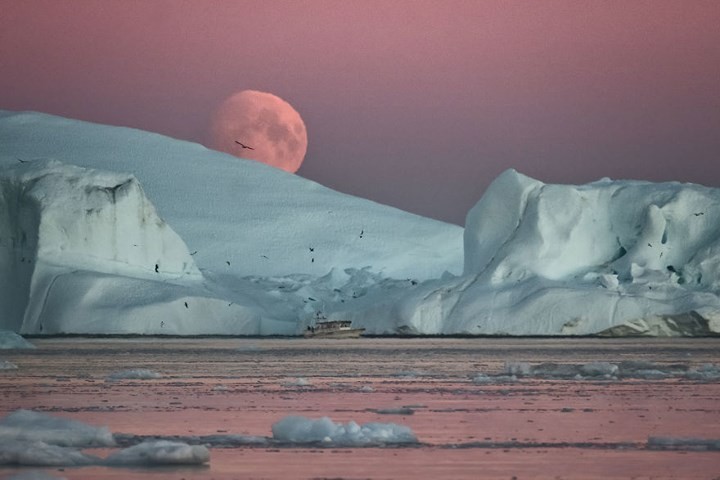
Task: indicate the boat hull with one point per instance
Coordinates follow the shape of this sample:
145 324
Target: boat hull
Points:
350 333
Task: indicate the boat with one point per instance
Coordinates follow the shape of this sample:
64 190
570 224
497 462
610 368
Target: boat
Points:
333 329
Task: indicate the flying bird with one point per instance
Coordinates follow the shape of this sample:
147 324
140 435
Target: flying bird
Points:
21 160
244 146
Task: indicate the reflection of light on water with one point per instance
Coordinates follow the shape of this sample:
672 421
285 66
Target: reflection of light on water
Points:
210 388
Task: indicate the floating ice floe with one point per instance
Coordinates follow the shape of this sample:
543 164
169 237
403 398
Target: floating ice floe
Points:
5 365
35 439
29 426
37 453
133 374
297 382
160 452
297 429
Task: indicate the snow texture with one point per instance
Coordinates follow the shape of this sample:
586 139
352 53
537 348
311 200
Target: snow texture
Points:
26 426
611 257
296 429
194 241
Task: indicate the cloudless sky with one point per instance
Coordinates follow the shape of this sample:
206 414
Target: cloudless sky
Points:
417 104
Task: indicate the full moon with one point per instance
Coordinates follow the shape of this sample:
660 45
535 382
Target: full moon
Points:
260 126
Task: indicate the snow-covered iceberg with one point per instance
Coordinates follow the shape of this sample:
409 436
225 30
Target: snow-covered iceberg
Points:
612 257
139 233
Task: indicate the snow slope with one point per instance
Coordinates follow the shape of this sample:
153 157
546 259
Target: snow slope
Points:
620 257
84 250
242 217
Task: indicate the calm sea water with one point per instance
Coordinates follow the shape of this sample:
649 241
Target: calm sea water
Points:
530 428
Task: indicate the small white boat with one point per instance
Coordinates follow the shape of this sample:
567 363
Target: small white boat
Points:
333 329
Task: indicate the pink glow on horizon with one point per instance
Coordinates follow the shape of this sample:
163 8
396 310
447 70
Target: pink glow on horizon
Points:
413 103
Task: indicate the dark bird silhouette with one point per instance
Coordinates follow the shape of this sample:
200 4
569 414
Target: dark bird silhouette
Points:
698 214
311 249
244 146
227 261
21 160
193 253
157 267
361 233
186 305
265 256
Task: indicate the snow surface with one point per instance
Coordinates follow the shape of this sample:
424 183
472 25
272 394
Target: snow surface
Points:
611 257
10 340
139 233
297 429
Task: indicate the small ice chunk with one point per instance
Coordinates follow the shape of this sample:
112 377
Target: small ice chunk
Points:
29 426
609 281
297 382
160 452
10 340
5 365
133 374
652 374
599 369
367 389
482 379
38 454
296 429
707 372
520 369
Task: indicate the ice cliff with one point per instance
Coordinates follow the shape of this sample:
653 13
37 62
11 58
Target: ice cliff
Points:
617 257
197 242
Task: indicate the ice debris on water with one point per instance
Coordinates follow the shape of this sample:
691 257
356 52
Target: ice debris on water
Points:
30 438
133 374
30 426
602 371
5 365
160 452
482 379
297 429
684 443
38 453
297 382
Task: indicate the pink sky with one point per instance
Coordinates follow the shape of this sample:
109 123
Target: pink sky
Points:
417 104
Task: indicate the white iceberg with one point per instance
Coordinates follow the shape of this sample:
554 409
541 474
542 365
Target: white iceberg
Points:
39 453
297 429
159 452
27 426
